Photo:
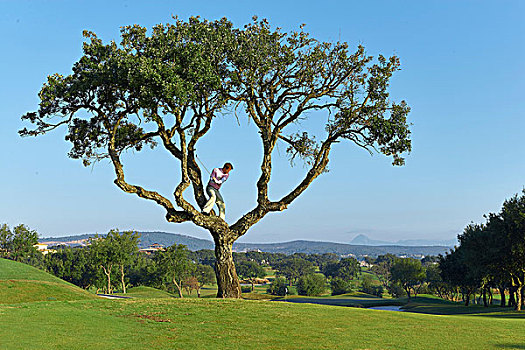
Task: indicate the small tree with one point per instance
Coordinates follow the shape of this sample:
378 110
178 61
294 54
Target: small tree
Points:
125 246
174 266
72 265
340 286
279 287
409 274
292 268
19 244
312 284
103 255
347 269
204 275
367 286
190 283
435 281
382 267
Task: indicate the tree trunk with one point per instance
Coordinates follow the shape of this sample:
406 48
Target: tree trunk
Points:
466 297
122 279
502 295
179 287
512 300
227 280
485 304
518 298
107 272
518 283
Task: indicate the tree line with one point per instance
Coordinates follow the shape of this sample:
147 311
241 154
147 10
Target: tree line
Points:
490 255
112 262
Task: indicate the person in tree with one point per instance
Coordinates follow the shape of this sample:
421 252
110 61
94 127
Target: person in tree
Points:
217 178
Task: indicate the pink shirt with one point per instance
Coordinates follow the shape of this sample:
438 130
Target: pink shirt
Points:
217 178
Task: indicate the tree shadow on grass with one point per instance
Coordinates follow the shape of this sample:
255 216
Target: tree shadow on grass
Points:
508 314
509 346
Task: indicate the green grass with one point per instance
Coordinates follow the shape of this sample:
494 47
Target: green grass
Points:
236 324
153 319
20 283
143 292
12 270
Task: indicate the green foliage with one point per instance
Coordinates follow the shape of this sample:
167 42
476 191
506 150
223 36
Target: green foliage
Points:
340 286
112 253
409 274
367 286
205 274
491 254
165 86
279 287
72 265
312 284
292 268
346 269
18 244
382 266
174 266
250 270
396 290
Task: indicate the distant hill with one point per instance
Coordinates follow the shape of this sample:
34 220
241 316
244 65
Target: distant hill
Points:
146 239
313 247
364 240
299 246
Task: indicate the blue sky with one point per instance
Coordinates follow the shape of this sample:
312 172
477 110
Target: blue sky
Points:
462 74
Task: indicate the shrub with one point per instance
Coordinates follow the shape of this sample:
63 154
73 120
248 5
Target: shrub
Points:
279 286
396 290
368 287
340 286
312 284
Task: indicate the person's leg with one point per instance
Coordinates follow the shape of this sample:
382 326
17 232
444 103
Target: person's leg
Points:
209 204
221 205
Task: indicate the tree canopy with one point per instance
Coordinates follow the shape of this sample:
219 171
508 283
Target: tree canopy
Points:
165 87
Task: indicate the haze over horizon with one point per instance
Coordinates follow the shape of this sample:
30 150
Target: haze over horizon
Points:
461 72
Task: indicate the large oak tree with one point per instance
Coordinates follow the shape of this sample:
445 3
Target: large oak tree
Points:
166 87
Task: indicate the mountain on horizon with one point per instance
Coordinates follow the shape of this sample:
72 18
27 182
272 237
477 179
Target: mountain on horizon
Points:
298 246
146 239
365 240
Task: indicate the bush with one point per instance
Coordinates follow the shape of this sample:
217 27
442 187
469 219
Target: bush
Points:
311 285
279 286
340 286
396 290
246 289
368 287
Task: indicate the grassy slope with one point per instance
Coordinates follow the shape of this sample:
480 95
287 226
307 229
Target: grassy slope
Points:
161 323
234 324
23 283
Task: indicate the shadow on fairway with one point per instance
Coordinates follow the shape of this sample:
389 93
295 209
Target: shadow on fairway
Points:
509 314
509 346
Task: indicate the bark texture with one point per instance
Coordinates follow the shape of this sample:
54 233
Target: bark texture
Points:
227 279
